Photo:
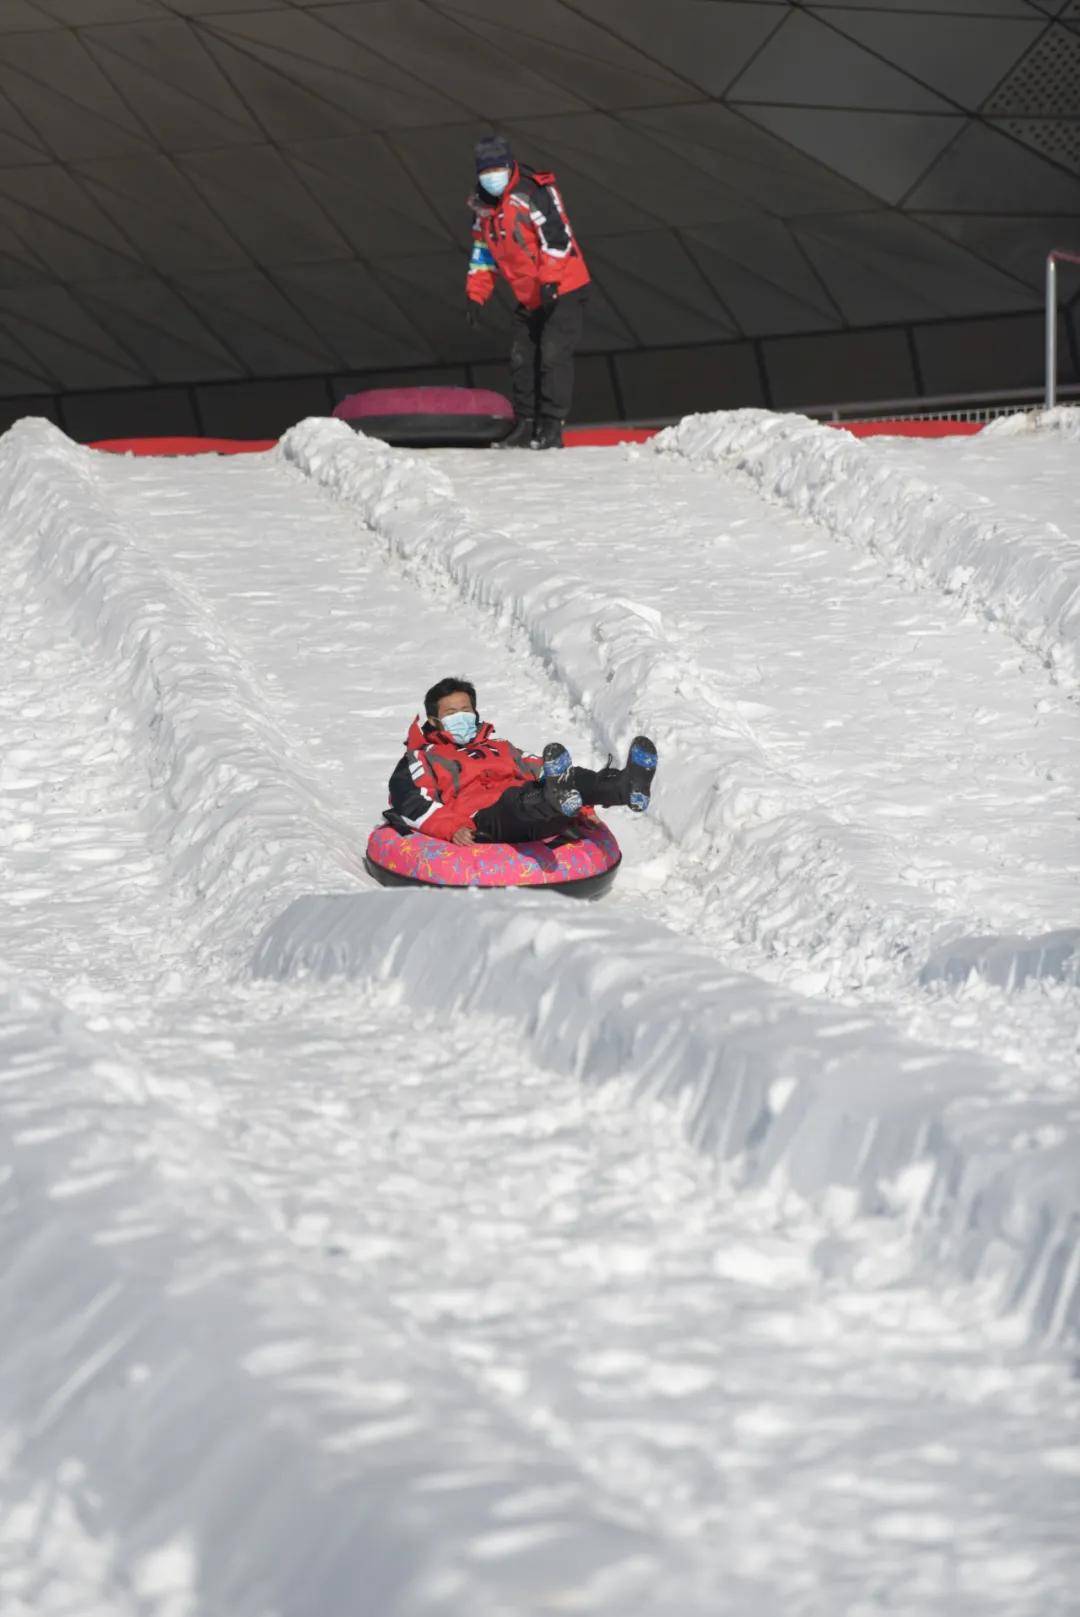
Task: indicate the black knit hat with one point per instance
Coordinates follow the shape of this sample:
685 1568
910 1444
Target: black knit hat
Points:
492 151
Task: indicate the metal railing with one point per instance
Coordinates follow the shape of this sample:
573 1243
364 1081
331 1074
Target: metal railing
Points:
1053 258
968 405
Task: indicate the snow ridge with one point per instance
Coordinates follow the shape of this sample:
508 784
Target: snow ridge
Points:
794 1095
747 828
1017 573
241 821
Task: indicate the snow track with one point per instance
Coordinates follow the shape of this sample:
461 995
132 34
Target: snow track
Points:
325 1308
1007 563
853 897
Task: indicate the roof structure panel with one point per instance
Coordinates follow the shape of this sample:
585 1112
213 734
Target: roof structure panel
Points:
268 332
445 53
807 63
732 150
986 171
884 152
886 266
167 76
206 190
962 58
154 325
707 46
572 50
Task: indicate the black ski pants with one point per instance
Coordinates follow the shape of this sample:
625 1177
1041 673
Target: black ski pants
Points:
523 813
542 357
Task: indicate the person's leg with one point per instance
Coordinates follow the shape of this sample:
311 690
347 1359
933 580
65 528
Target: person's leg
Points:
600 788
539 321
524 357
628 787
559 338
521 814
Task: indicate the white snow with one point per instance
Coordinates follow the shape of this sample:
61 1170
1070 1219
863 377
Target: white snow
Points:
713 1248
886 494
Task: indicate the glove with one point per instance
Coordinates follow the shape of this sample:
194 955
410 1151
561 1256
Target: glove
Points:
549 295
472 314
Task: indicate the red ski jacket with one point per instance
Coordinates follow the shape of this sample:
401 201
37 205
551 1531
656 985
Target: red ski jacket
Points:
438 785
524 235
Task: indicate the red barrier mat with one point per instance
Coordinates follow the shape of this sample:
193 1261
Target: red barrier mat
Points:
579 437
576 437
184 446
906 427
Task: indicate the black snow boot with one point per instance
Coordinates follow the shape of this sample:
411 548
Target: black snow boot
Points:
548 433
558 788
520 435
640 768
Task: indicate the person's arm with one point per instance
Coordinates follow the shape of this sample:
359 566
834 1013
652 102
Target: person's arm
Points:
480 279
530 766
552 231
414 795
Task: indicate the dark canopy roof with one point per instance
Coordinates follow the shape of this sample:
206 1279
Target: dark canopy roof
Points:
199 190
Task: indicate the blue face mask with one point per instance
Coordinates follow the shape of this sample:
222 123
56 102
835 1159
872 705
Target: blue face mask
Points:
462 726
495 181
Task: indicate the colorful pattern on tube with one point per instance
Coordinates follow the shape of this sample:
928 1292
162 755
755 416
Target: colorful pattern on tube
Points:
495 864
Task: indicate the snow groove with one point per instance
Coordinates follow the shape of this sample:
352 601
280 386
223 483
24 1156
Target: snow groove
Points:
1017 572
796 1094
163 1327
722 803
241 820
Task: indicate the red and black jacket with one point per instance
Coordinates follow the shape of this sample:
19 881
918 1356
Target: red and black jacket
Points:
439 785
525 236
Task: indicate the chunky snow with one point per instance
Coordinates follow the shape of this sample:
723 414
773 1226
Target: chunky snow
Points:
710 1249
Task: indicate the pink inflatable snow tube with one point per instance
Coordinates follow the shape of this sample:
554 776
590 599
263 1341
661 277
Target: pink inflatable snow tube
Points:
415 416
583 864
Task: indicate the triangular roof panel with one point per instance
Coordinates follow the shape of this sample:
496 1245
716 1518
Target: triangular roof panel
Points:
807 63
886 267
167 76
256 321
659 291
750 161
160 329
67 340
884 152
961 57
445 52
564 46
985 171
707 46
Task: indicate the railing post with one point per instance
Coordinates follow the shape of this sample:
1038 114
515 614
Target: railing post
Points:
1052 258
1051 330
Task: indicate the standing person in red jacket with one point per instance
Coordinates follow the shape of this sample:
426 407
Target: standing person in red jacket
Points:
521 231
457 781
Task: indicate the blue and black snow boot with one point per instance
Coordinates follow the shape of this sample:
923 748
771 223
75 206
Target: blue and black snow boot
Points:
559 790
641 763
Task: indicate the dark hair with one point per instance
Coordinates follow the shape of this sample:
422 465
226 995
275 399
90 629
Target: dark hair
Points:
447 687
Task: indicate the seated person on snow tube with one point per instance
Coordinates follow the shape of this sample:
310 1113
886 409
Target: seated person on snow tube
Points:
459 782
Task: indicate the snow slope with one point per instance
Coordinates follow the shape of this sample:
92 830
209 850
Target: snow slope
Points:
1011 566
705 1296
843 866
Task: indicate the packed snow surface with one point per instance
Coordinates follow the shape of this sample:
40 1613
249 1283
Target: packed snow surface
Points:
713 1249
